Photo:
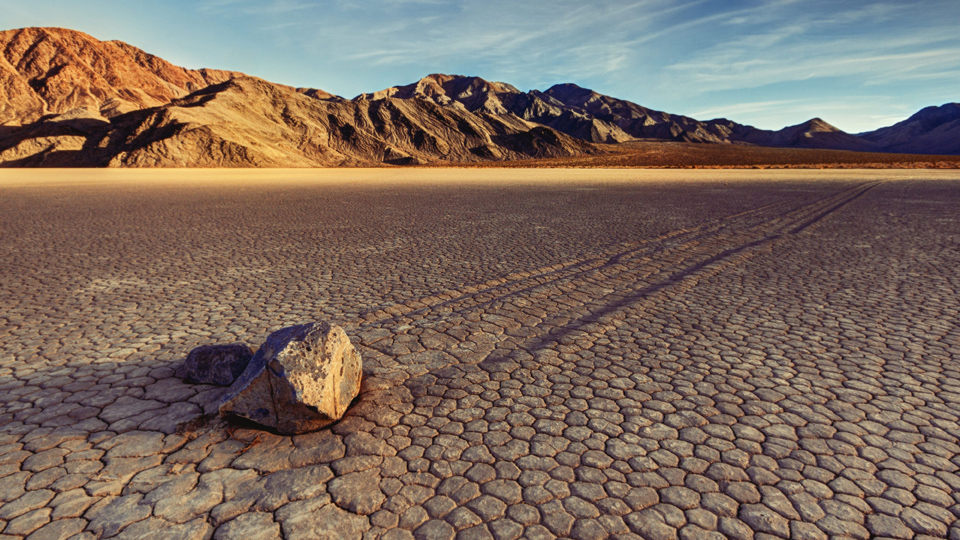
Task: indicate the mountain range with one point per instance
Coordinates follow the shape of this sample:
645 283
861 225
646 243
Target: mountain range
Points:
68 99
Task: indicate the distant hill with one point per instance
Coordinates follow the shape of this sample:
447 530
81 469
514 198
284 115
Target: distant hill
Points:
67 99
934 130
594 117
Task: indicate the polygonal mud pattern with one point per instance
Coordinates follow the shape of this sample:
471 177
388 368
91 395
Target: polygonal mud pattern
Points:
695 360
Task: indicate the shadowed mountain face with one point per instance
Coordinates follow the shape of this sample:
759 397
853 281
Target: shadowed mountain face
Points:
67 99
622 120
811 134
934 130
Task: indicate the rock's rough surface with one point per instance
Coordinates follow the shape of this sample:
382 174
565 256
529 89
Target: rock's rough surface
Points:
216 364
301 379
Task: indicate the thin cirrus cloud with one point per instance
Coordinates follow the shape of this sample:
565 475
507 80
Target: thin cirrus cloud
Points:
757 60
807 108
274 7
466 31
769 63
875 69
751 107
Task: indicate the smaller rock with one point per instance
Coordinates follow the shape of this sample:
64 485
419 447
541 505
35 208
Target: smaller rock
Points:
357 492
111 518
250 526
762 519
889 526
216 364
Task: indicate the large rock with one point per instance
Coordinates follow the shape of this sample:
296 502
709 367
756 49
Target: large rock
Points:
301 379
216 364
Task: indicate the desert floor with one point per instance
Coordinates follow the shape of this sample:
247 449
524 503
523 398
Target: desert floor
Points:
569 353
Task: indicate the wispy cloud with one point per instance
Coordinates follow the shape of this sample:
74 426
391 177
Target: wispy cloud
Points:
856 113
818 45
249 7
471 35
740 109
873 68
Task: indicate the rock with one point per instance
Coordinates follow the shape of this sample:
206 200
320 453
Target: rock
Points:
317 519
357 492
216 364
922 523
762 519
301 379
114 516
250 526
889 526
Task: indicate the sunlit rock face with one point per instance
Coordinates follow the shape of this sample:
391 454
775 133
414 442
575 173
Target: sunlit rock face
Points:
301 379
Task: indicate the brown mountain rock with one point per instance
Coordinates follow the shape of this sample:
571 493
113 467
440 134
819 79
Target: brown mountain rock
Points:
67 99
249 122
626 120
933 130
53 70
813 133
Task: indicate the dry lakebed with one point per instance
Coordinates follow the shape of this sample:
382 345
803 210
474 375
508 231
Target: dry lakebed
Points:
546 353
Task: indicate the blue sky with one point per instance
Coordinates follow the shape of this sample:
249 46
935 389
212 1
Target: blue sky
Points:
857 64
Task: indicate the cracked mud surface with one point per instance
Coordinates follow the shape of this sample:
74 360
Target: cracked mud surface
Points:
617 355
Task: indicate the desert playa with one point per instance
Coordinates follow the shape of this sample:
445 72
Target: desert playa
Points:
547 353
508 174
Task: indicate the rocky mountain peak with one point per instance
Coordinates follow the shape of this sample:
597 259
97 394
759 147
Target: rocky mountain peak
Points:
570 93
818 125
932 129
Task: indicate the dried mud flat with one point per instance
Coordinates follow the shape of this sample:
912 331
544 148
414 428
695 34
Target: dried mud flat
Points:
548 353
